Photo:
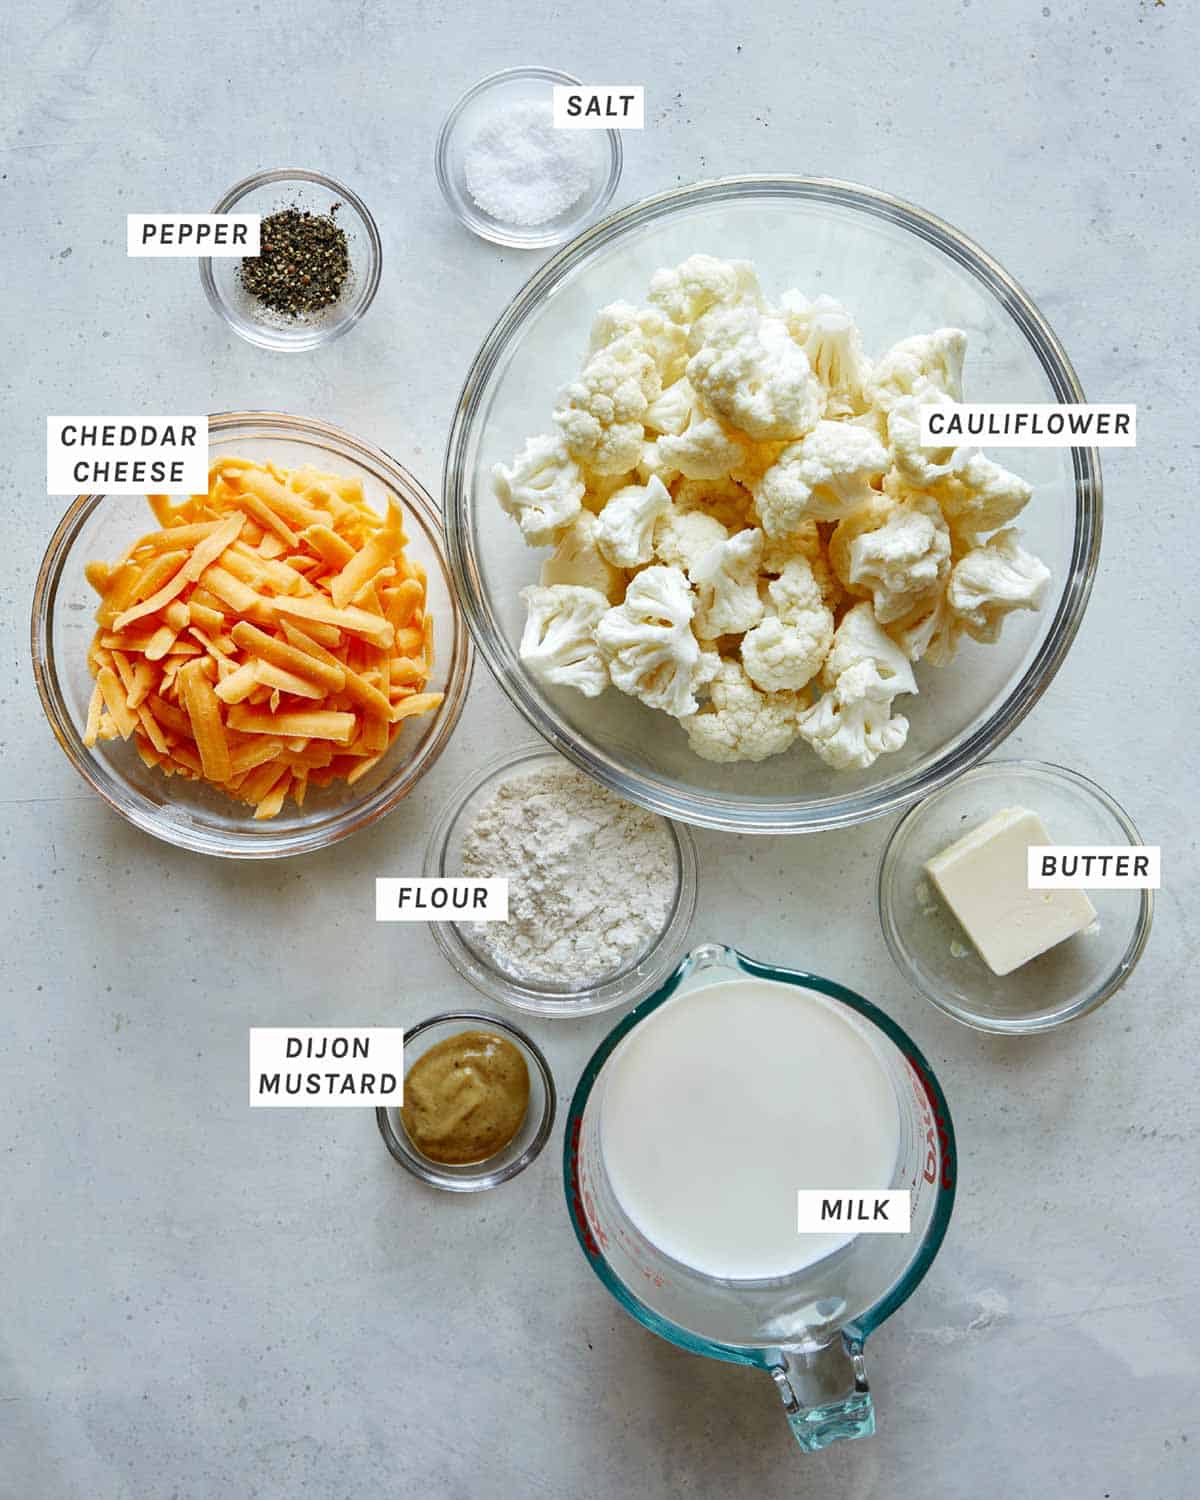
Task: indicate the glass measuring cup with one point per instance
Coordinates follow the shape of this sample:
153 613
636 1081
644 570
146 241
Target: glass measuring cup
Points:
806 1329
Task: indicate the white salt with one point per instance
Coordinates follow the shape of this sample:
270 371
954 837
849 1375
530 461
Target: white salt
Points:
521 170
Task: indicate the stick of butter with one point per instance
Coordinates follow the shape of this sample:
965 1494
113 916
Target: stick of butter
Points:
983 879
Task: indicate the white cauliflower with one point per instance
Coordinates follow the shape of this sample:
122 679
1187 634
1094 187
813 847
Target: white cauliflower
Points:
871 514
732 505
601 414
686 291
916 465
852 724
741 723
861 638
559 639
931 635
654 464
927 360
993 580
578 560
830 338
649 646
703 450
981 496
823 477
904 561
682 537
726 582
753 374
542 490
663 340
673 410
785 651
601 487
625 531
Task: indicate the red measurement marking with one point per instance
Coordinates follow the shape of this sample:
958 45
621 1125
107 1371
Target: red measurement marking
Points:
942 1138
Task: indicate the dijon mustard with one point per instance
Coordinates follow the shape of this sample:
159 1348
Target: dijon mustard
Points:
466 1098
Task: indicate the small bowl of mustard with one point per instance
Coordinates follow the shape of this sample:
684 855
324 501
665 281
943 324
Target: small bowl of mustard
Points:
478 1106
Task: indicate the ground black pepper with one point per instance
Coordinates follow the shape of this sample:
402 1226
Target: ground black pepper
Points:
302 263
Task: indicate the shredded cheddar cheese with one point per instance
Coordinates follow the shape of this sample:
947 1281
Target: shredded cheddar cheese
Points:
269 636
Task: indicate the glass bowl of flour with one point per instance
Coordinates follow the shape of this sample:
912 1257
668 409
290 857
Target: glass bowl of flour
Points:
601 892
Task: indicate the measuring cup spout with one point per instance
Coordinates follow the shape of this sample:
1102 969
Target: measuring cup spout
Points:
825 1393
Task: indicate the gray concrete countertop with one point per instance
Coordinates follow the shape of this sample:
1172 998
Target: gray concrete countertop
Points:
199 1301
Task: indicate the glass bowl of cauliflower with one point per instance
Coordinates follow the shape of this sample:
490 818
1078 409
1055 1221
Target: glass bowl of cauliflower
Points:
695 533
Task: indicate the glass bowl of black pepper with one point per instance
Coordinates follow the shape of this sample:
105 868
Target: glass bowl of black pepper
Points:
318 266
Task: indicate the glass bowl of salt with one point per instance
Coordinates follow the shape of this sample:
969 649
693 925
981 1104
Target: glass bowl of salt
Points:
510 175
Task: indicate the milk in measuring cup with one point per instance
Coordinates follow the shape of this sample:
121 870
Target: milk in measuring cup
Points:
723 1103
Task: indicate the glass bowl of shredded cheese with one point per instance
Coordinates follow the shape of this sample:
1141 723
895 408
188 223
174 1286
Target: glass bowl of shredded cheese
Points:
898 271
157 770
510 175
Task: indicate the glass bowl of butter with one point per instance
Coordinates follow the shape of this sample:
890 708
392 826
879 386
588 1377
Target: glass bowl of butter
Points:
971 935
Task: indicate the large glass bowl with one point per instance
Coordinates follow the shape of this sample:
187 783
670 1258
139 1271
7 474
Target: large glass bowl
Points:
900 271
191 814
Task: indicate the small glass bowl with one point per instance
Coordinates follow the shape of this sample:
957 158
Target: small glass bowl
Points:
524 1146
516 86
191 814
637 978
935 954
266 193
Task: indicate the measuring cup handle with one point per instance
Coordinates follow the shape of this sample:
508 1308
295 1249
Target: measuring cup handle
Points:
825 1394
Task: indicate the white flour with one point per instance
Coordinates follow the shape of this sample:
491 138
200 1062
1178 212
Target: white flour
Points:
591 877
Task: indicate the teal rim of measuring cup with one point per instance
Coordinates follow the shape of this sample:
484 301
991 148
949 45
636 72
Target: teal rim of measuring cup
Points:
717 955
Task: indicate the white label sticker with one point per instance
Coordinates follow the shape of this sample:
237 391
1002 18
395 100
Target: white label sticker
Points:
334 1067
428 898
1012 424
126 455
1094 867
822 1212
599 106
192 234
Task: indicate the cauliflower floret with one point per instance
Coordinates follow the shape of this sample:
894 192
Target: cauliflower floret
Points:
722 498
726 580
752 373
649 646
542 490
559 639
981 496
602 487
663 340
625 531
992 581
904 561
925 360
654 464
824 476
703 450
931 635
673 410
852 725
786 650
601 414
754 461
578 560
739 722
861 638
830 338
869 516
916 465
686 291
682 537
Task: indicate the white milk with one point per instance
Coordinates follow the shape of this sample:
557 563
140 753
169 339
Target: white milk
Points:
726 1101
